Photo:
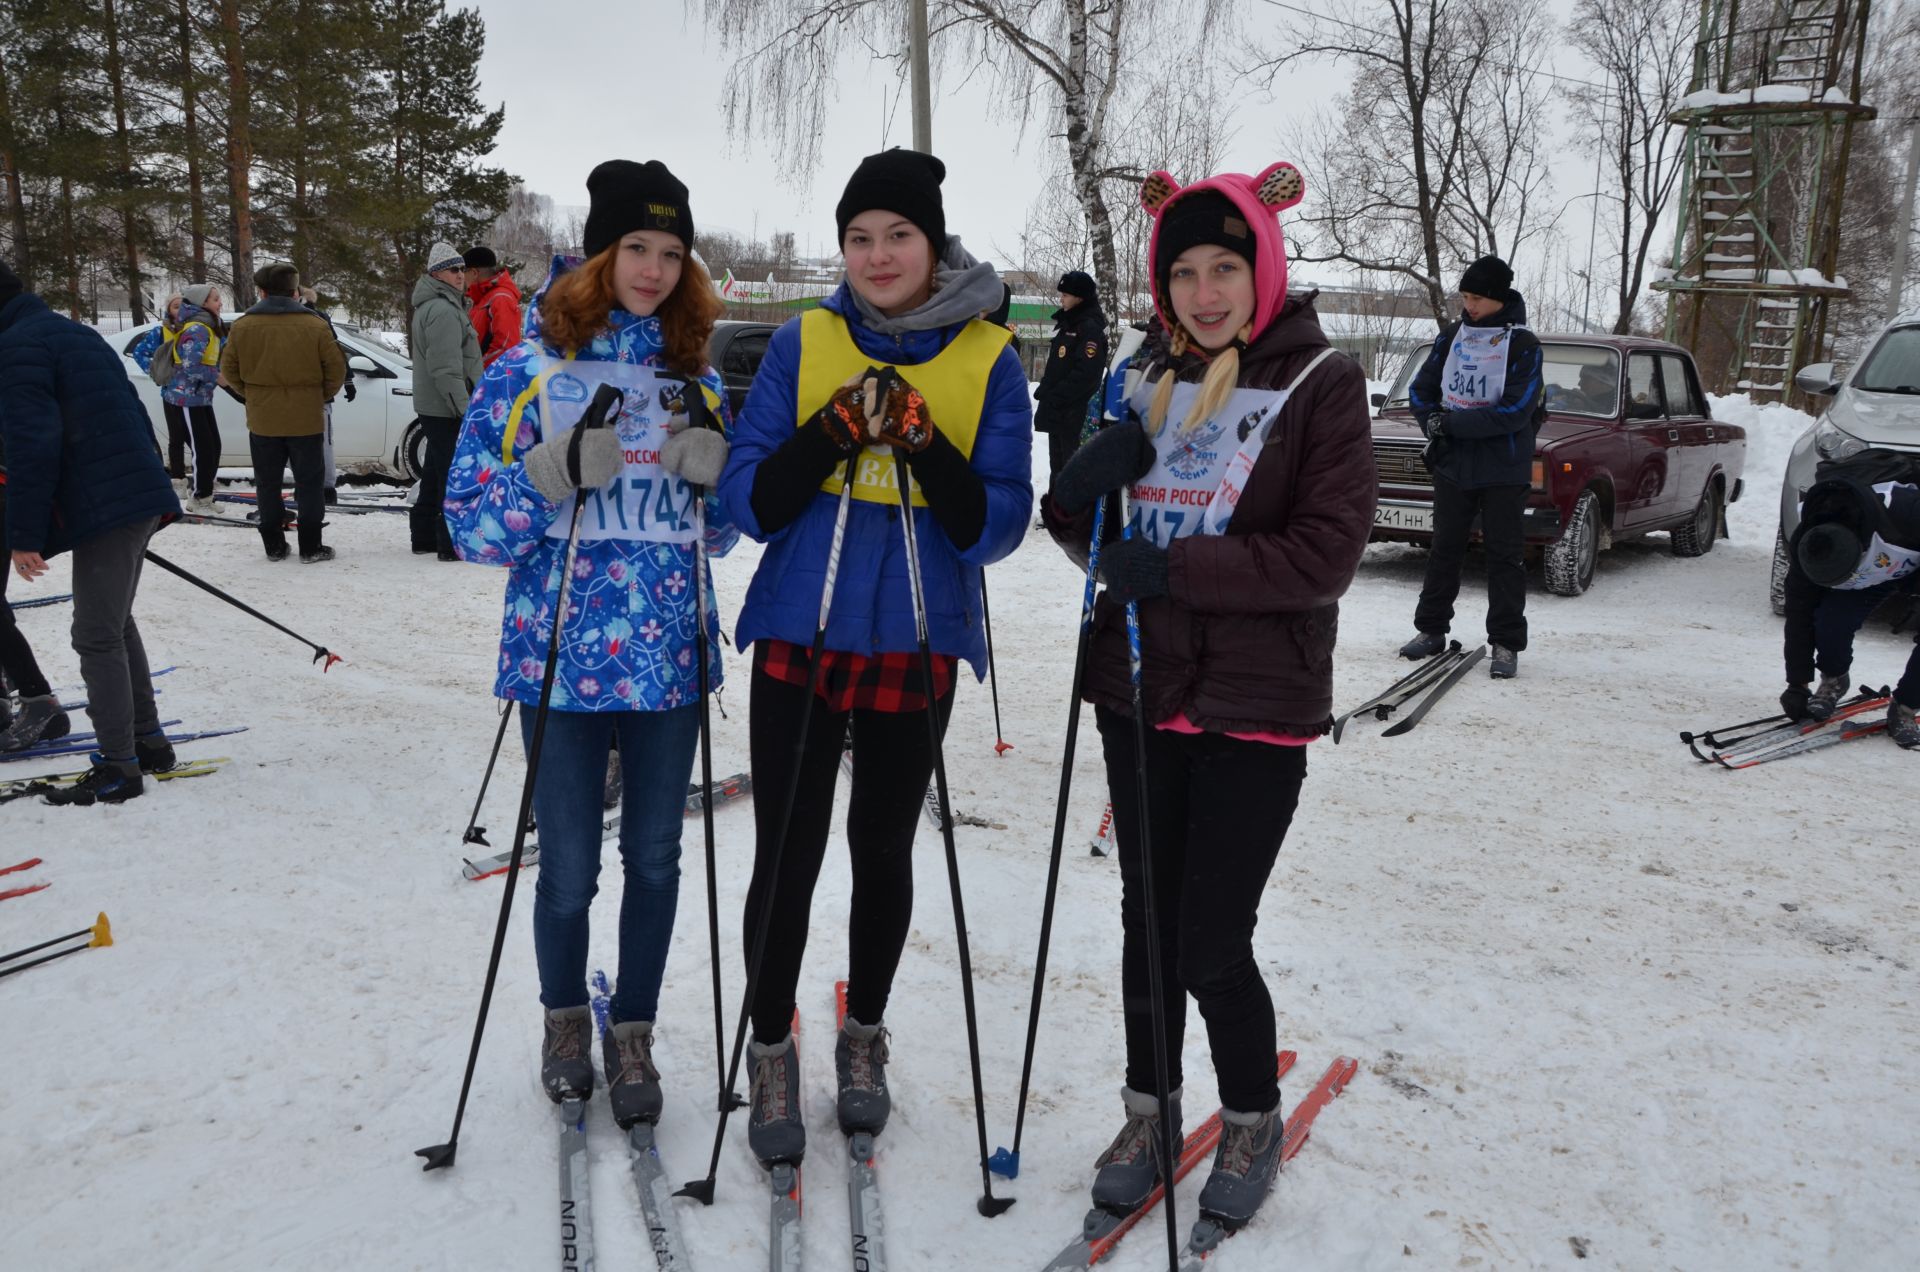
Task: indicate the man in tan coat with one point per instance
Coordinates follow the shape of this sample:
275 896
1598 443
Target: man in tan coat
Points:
285 364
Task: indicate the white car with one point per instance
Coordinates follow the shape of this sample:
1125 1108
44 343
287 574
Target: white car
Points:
377 433
1877 404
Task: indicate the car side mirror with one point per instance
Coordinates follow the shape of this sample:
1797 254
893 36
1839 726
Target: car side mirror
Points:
363 365
1817 379
1378 399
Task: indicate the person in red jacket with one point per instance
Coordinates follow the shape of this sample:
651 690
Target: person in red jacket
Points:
495 303
1245 446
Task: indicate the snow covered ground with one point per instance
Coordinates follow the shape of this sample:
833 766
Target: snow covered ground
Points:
1605 1000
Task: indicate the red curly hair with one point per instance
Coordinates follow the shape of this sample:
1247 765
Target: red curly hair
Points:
578 303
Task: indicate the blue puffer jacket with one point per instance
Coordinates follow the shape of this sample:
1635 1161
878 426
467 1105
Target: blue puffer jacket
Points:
81 458
194 378
1489 445
872 605
630 623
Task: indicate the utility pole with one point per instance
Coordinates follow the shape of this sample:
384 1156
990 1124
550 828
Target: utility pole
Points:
1903 223
922 89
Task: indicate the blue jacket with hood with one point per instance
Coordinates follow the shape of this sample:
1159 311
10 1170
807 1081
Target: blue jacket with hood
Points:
872 608
1490 445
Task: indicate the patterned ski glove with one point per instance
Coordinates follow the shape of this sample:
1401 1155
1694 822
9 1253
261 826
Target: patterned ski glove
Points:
551 473
696 446
1133 569
1117 455
1794 702
904 422
845 419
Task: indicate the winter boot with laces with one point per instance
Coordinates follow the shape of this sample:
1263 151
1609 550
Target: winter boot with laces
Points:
1126 1173
1503 663
566 1055
860 1060
1902 727
154 752
775 1132
107 782
1244 1166
1424 645
39 720
1827 696
633 1084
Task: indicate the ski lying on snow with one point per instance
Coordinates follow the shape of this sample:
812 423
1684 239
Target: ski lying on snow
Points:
1103 837
863 1181
724 792
22 787
1789 738
1208 1234
663 1234
784 1204
11 893
1437 692
1382 704
63 692
77 743
1829 734
1101 1231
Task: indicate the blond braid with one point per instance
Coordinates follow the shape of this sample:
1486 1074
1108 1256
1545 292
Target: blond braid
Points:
1223 376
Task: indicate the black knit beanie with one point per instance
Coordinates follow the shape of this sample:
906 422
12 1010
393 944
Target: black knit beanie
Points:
904 182
1205 217
1077 282
626 196
1490 277
1828 553
10 284
480 256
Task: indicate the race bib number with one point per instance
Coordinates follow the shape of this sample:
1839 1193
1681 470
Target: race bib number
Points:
1194 468
643 502
1476 371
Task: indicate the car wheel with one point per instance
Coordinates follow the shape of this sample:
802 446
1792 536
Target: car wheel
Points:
413 451
1570 561
1777 585
1697 536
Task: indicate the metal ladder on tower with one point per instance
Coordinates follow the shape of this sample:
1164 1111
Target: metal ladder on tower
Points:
1803 45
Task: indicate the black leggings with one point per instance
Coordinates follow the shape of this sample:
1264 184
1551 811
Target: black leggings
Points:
178 439
16 656
198 423
892 761
1220 809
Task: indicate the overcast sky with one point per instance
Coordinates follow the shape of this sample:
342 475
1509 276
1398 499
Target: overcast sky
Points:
583 82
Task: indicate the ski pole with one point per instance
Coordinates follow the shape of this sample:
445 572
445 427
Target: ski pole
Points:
319 651
1007 1162
1154 987
101 933
988 1205
476 833
1000 744
606 399
701 1190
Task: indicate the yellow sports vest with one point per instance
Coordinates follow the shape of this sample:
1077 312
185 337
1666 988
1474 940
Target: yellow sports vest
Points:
954 383
170 343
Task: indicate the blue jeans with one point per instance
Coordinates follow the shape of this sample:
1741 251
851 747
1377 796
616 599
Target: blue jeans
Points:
656 761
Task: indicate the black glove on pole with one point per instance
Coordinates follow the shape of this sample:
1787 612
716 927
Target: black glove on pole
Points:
605 401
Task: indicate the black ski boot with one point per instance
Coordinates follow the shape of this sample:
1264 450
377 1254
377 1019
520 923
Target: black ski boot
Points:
154 752
1126 1173
633 1084
1424 645
107 782
860 1060
1244 1166
1504 663
1902 727
775 1132
1827 696
39 720
566 1056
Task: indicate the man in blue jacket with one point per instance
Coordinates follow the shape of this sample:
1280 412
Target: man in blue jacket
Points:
84 474
1479 399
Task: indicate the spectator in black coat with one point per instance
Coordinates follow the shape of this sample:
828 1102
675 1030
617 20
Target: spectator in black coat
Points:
1076 368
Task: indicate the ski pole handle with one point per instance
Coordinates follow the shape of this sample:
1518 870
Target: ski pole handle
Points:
607 400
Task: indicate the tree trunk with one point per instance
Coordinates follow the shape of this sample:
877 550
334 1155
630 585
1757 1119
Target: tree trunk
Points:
239 152
1084 135
196 192
1417 58
123 153
69 248
10 172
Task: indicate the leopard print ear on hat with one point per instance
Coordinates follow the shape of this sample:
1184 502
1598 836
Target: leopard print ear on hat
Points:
1156 190
1280 186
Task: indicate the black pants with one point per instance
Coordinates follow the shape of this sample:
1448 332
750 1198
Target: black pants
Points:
426 519
1061 443
892 761
113 660
1501 528
271 458
1219 810
204 430
1821 625
179 437
16 656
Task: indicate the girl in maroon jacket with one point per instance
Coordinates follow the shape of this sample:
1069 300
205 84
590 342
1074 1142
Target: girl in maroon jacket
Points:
1245 448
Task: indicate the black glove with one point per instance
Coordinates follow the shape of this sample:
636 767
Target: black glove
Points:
350 391
1435 426
1115 456
1133 569
1794 702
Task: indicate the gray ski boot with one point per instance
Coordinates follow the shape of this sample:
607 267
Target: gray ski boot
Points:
1902 727
39 720
1126 1173
633 1084
1424 645
775 1132
1244 1166
1827 696
1503 663
566 1055
860 1060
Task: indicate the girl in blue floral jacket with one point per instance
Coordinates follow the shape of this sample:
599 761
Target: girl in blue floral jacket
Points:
635 314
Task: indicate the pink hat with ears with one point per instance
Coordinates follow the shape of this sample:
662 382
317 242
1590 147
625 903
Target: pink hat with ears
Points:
1259 199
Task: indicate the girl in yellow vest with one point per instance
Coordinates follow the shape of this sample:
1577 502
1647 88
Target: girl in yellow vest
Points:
911 300
188 397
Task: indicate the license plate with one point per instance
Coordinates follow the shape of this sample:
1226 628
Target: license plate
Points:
1403 517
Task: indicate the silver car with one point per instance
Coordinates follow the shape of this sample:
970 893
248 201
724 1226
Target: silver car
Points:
1877 404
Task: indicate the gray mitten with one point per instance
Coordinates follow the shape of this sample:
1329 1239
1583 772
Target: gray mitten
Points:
551 466
696 454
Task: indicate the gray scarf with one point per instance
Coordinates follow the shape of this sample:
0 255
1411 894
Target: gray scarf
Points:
963 288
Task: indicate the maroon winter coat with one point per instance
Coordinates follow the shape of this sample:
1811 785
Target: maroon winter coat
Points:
1244 642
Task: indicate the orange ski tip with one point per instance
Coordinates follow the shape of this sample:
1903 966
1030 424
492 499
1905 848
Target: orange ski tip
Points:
102 931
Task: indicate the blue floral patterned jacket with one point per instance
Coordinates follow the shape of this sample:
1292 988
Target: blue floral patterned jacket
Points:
629 636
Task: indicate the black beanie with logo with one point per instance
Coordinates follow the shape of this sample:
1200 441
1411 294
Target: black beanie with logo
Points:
626 196
904 182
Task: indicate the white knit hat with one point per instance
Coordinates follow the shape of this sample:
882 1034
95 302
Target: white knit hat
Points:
444 257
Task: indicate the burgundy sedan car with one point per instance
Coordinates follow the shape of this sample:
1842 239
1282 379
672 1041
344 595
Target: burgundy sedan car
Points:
1628 448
